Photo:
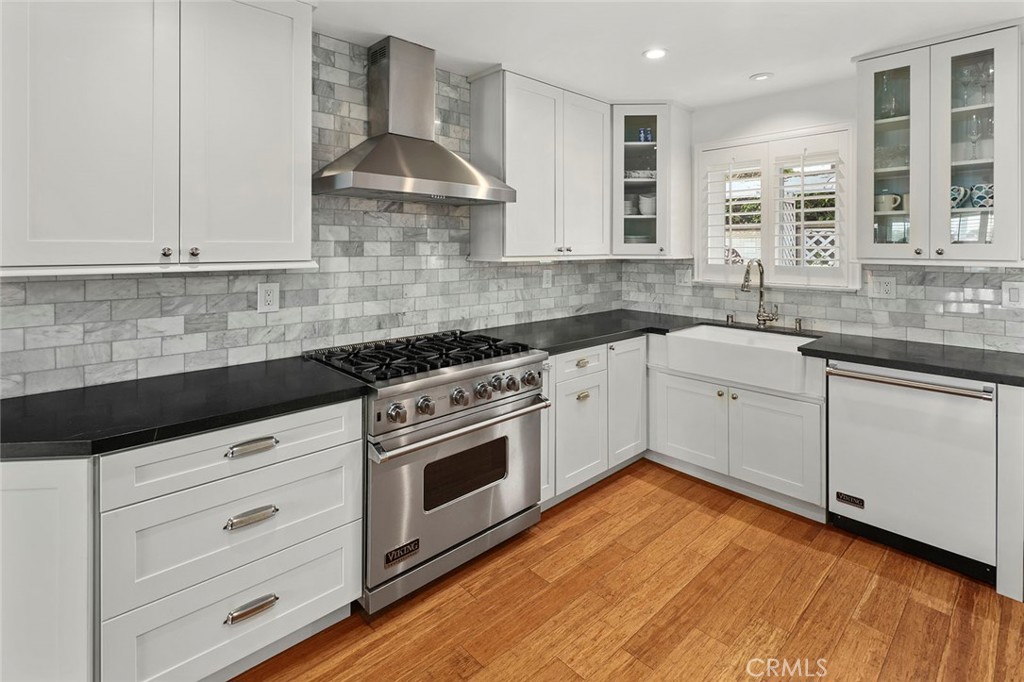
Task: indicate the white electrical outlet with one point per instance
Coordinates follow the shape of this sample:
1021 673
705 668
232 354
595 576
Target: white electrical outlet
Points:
545 279
1013 294
681 277
268 297
882 287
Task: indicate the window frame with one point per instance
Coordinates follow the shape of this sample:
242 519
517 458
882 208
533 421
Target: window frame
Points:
768 151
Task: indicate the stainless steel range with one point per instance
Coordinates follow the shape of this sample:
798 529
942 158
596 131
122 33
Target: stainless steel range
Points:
453 452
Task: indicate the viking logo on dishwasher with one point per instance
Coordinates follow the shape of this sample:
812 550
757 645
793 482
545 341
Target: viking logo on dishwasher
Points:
850 500
402 552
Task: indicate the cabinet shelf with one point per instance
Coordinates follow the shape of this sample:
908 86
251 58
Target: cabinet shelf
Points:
892 170
895 121
892 212
972 163
639 217
971 108
971 209
640 144
640 181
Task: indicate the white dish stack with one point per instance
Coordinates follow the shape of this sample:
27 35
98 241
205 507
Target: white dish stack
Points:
629 204
648 204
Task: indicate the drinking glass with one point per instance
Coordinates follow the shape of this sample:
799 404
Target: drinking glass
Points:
974 134
965 74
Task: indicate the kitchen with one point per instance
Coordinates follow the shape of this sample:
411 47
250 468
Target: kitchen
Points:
679 473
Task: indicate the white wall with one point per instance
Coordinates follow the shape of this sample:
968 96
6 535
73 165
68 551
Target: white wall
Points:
812 106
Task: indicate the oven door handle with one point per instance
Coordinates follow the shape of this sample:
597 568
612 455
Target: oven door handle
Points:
379 455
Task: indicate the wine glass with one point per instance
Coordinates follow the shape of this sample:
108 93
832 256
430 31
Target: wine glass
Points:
982 79
974 134
990 78
965 74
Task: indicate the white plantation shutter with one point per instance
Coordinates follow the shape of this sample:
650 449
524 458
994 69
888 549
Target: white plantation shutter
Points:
784 201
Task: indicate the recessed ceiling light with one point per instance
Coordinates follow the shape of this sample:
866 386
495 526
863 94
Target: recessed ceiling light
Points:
655 53
763 76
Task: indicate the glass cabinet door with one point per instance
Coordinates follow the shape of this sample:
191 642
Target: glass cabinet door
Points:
640 195
975 85
893 182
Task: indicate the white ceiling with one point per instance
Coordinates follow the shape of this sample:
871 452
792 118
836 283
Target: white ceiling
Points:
595 47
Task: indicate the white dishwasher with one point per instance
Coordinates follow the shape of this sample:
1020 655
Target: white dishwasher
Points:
912 463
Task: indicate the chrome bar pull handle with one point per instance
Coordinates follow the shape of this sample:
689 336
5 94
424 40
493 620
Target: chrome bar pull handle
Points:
250 517
252 608
909 383
252 447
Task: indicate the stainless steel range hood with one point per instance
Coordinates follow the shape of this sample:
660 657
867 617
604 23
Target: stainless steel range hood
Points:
400 161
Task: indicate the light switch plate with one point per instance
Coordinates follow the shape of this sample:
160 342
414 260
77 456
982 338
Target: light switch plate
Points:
268 297
545 279
881 287
1013 294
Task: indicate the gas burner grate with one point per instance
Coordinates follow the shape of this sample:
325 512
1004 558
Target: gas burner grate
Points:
381 360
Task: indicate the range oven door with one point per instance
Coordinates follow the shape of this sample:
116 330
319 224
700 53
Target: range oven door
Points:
435 487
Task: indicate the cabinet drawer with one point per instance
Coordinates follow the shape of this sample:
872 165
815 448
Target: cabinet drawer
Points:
580 363
154 548
145 473
186 636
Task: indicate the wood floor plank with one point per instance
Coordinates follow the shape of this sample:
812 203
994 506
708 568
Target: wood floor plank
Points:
652 574
916 649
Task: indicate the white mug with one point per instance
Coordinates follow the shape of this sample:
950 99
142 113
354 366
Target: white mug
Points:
887 202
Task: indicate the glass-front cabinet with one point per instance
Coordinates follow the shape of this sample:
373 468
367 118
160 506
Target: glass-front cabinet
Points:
938 132
650 180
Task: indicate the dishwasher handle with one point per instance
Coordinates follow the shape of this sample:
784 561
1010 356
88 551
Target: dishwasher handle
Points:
986 394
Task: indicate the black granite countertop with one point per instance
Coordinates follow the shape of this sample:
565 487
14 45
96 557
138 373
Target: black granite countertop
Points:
581 331
932 358
98 419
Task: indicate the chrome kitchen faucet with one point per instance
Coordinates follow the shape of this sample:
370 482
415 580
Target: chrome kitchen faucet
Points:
763 316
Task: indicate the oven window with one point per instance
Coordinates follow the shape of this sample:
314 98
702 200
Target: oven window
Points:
460 474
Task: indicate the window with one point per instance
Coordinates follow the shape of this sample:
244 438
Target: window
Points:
784 201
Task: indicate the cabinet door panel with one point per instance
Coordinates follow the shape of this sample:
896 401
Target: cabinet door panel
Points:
627 399
985 225
245 131
90 133
690 421
547 449
776 443
586 155
581 441
533 166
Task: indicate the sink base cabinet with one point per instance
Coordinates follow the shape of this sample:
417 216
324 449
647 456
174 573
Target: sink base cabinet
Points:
770 441
46 570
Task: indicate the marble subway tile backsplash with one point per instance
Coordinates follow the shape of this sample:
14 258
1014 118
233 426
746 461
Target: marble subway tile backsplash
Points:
386 269
948 305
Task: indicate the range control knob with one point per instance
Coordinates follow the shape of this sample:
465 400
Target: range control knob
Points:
397 413
496 383
511 383
482 391
425 405
530 378
459 396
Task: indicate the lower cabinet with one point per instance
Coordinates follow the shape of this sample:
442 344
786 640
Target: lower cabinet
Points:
627 399
770 441
581 434
547 444
46 570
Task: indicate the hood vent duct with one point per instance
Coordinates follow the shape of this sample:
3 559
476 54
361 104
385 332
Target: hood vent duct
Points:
400 161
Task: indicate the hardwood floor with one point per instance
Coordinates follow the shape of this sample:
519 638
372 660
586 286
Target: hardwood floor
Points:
652 575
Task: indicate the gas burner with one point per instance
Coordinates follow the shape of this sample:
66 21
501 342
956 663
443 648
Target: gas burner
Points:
383 360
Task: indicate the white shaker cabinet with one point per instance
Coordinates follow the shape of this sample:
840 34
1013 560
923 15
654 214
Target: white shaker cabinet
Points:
90 133
155 136
547 439
776 443
245 131
554 148
627 399
690 421
581 437
46 570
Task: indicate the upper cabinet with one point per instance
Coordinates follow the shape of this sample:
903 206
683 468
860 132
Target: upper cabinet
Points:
651 186
939 133
554 148
216 94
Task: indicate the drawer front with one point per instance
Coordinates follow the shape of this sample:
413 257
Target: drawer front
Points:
158 547
145 473
185 636
580 363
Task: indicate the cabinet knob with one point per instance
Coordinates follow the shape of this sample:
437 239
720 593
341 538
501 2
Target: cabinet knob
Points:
918 251
661 249
721 393
194 251
569 249
735 397
940 251
611 347
166 252
560 249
